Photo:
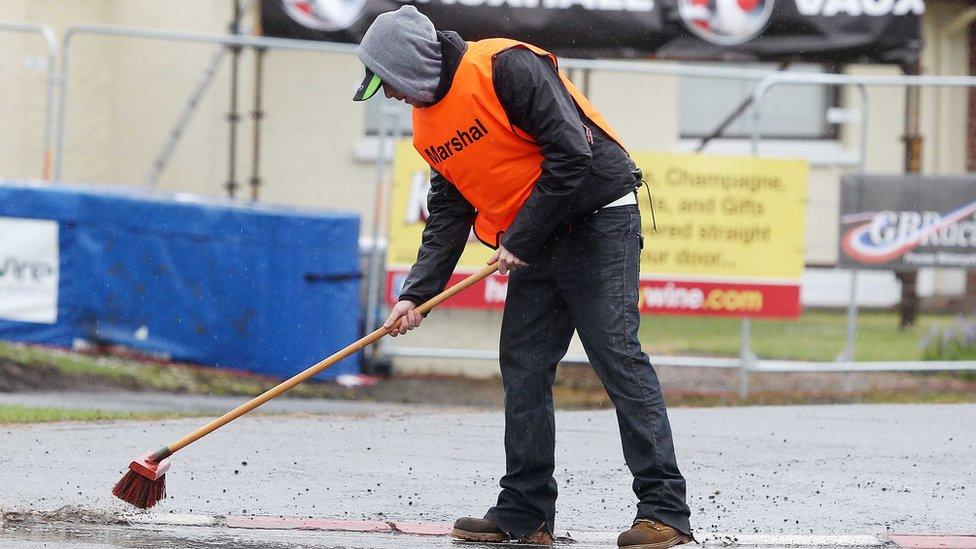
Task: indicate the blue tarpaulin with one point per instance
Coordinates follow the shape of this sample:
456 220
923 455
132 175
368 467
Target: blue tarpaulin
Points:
263 288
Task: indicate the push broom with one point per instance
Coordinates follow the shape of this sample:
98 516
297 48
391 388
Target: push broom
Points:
144 483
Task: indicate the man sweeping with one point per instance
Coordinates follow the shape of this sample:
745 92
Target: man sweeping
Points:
519 154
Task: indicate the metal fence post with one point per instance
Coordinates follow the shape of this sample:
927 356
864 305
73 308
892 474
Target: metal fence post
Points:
257 115
373 280
746 357
852 307
51 43
62 105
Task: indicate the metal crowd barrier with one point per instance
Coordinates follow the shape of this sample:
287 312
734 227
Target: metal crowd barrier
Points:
747 362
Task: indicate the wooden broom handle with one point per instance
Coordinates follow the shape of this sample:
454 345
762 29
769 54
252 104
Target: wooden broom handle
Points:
285 386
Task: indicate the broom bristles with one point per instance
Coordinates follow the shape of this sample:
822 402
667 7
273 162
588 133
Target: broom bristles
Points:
139 490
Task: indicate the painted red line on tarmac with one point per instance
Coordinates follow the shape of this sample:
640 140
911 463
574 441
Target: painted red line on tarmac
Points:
933 542
298 523
265 523
423 528
348 525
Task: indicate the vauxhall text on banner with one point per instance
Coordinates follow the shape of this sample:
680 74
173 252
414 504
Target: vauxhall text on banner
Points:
729 238
29 270
907 222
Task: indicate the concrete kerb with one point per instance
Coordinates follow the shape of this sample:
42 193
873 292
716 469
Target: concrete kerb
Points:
268 522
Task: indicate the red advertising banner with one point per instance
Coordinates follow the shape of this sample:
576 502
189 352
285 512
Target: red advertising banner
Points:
672 297
686 297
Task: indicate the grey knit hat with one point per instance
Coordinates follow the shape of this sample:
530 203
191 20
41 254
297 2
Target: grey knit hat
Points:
401 49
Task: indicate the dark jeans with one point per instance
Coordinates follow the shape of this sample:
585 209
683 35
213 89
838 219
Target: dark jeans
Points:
586 278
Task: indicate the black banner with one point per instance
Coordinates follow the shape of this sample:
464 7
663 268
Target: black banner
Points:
829 31
907 222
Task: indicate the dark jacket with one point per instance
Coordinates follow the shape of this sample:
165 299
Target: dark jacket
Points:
582 168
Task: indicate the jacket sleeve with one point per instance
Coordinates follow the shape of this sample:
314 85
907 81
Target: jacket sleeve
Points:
536 102
448 226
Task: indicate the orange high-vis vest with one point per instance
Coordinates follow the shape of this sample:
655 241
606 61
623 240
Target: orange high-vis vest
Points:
468 138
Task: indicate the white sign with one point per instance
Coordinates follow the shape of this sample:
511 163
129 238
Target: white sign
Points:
29 270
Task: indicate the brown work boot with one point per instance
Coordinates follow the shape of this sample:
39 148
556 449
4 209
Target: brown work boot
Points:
478 529
484 530
650 534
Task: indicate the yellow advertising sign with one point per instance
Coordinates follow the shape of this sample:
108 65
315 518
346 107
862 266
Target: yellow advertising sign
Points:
719 216
729 237
716 216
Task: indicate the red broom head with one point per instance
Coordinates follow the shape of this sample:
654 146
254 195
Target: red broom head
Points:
144 483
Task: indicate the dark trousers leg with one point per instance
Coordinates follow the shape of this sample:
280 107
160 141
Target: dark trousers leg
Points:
535 335
598 275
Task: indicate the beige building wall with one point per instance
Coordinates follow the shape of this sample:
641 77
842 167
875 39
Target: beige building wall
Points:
944 111
125 94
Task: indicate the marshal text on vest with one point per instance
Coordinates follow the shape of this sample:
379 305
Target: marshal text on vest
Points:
437 153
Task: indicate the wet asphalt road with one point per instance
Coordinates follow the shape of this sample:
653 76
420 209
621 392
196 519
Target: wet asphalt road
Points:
147 401
819 469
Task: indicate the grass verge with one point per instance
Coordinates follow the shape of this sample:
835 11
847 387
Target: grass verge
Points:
81 371
817 335
22 414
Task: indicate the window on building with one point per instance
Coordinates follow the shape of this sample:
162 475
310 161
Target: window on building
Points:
788 111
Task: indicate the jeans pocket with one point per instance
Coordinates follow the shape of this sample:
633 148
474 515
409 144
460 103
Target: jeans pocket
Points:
618 222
